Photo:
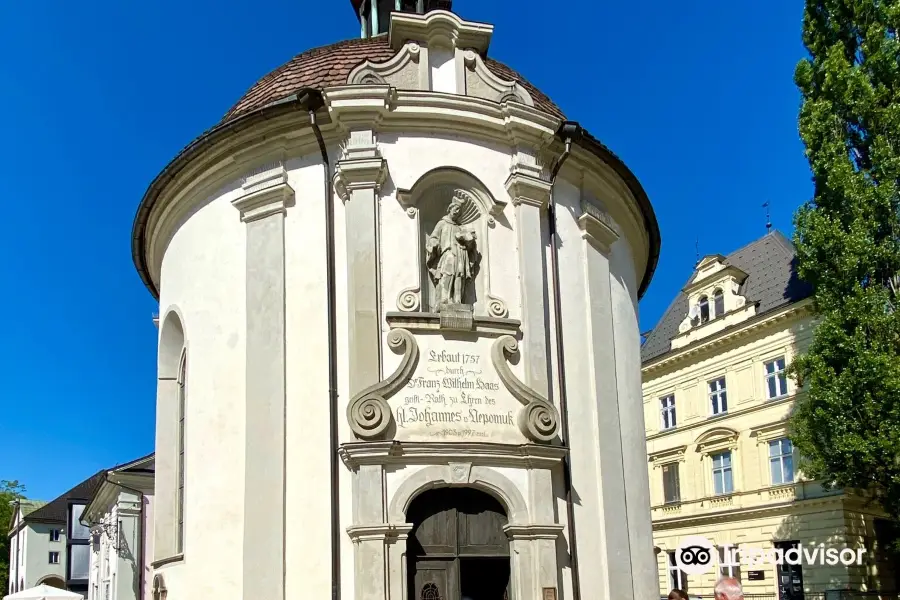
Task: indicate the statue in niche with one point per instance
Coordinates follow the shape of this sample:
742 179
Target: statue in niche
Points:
452 257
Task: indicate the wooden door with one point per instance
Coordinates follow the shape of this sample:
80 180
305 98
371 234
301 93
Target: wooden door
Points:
452 526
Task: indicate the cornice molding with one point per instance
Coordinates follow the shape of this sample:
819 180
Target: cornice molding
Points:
600 235
533 532
730 335
528 190
540 456
359 174
439 28
727 417
379 532
749 512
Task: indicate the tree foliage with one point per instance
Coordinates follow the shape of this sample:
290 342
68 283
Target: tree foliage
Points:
9 492
847 427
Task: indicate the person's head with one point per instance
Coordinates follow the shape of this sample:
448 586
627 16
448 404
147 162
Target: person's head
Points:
729 588
455 208
677 595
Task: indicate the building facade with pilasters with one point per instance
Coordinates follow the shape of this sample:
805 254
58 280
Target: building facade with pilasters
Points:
722 465
398 350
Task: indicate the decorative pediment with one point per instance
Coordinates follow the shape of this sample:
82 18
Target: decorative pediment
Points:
717 438
669 455
770 431
482 83
405 70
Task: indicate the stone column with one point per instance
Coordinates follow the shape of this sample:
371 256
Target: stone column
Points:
266 196
530 196
359 177
129 555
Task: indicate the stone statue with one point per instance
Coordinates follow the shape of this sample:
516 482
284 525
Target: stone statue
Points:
452 257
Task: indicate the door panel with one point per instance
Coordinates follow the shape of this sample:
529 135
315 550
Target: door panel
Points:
435 580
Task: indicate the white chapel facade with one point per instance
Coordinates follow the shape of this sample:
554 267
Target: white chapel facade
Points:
367 309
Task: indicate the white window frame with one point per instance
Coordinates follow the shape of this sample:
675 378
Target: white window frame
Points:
718 396
776 375
51 556
677 578
779 458
54 535
668 416
721 471
718 295
728 566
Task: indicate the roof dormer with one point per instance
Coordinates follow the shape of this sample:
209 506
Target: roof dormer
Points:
714 300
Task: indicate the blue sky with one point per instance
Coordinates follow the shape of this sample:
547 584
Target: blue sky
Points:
697 98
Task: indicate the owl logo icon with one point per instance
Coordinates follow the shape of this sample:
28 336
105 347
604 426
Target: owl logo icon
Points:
694 555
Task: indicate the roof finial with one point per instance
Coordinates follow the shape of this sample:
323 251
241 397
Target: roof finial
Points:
697 250
768 221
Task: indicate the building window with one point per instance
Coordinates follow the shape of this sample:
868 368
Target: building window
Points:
781 461
182 393
667 411
54 558
718 303
729 563
723 480
54 535
717 396
677 577
776 379
78 546
671 485
704 309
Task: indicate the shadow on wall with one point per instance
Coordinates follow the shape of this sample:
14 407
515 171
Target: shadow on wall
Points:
838 529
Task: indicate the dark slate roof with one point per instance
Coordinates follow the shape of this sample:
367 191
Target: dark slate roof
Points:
57 511
771 283
331 65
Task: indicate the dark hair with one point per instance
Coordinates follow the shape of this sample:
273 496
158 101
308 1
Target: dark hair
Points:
678 595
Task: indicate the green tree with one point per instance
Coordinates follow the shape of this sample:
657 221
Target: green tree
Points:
847 428
10 491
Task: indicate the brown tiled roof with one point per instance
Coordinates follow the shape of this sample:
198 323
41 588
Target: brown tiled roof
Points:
331 65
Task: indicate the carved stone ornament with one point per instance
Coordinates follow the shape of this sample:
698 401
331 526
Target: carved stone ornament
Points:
496 307
409 299
451 256
368 413
538 420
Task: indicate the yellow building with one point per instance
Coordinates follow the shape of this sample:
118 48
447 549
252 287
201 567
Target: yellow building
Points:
716 398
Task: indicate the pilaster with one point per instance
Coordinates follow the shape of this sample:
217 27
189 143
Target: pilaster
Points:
530 196
603 438
263 204
359 176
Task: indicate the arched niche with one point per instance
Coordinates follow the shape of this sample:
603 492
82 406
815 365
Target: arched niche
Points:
171 344
428 202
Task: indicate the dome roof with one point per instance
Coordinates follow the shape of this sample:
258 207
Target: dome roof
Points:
331 65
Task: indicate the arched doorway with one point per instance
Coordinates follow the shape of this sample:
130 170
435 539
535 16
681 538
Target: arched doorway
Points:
457 548
53 581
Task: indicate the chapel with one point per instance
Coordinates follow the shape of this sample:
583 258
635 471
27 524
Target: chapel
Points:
399 355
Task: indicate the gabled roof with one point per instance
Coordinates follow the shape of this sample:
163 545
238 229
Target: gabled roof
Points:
29 506
138 473
771 283
57 511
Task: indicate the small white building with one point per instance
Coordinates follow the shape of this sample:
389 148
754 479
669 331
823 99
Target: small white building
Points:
399 355
119 517
48 544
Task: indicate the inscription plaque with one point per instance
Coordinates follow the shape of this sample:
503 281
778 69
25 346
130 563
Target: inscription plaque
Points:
455 394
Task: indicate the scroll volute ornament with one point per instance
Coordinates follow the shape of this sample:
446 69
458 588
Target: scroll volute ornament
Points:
369 413
538 420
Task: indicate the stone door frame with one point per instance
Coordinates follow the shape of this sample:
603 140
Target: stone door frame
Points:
380 530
